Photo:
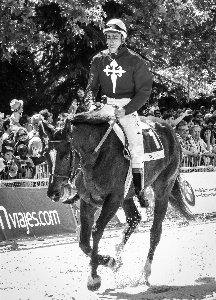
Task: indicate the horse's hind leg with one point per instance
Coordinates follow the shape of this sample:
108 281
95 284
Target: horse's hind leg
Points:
87 212
162 188
133 218
109 209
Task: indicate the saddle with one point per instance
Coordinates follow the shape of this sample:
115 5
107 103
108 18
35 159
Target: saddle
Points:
147 130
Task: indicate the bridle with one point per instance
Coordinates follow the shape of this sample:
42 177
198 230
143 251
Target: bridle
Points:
72 172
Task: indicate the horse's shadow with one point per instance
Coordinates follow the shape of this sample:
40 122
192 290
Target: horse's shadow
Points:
205 288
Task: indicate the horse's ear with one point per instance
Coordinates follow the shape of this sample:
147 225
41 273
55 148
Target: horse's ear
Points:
67 129
45 130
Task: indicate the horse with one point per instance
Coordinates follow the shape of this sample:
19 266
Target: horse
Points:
101 182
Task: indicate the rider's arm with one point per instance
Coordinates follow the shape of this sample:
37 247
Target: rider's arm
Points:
143 85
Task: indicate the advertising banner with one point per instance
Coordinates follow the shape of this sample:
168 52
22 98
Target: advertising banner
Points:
28 212
203 186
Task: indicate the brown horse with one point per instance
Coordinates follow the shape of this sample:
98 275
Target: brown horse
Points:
101 182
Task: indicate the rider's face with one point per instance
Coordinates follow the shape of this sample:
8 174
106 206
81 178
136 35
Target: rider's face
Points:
114 41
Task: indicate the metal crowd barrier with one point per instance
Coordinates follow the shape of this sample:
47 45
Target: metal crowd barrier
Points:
42 171
189 164
198 164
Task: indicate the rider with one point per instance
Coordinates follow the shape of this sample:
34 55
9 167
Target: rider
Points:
126 82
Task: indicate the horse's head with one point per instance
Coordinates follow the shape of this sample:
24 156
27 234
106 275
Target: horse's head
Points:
59 158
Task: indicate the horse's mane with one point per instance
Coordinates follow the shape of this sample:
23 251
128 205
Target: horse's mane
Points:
90 118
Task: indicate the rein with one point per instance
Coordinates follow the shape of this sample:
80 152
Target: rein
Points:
72 172
105 136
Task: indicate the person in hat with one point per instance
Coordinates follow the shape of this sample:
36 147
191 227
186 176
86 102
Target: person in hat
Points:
8 163
126 82
17 110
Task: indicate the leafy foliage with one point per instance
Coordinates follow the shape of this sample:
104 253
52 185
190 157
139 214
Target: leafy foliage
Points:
46 46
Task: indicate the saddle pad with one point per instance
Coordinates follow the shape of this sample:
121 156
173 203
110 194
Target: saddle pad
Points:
158 154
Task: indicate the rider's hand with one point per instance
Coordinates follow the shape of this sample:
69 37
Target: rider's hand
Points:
119 112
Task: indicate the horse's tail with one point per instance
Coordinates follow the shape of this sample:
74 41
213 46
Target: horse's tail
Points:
176 199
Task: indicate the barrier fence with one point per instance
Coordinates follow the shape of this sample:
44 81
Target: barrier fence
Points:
26 211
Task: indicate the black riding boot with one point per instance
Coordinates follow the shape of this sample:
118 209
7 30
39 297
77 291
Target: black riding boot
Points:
72 200
138 181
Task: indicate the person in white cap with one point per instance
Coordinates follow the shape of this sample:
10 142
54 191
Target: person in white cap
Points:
17 110
126 83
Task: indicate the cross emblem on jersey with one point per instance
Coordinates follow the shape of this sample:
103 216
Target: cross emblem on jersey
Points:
114 70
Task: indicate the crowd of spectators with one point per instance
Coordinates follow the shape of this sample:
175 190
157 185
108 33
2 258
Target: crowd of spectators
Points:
21 148
195 130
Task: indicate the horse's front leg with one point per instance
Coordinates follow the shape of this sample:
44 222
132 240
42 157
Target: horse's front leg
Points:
87 212
109 209
133 219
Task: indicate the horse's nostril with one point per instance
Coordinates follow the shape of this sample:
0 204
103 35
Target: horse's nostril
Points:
57 194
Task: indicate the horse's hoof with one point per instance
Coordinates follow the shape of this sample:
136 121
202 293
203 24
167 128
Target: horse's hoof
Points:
115 265
94 283
111 263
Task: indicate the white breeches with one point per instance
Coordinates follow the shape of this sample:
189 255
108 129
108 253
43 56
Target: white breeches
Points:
133 130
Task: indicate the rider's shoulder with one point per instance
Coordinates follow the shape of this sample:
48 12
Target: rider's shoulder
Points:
137 57
101 54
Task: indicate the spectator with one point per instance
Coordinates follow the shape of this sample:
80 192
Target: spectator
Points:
78 105
34 121
48 116
208 138
35 148
189 119
73 108
8 163
198 118
208 120
199 145
17 110
153 107
25 121
203 110
7 130
1 119
185 139
21 137
61 119
26 168
168 117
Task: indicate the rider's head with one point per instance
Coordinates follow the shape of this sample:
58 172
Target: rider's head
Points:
115 33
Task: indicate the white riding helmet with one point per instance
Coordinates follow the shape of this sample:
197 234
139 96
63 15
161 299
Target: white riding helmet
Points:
117 26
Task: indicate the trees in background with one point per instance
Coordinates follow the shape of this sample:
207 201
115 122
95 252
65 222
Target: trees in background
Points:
47 45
